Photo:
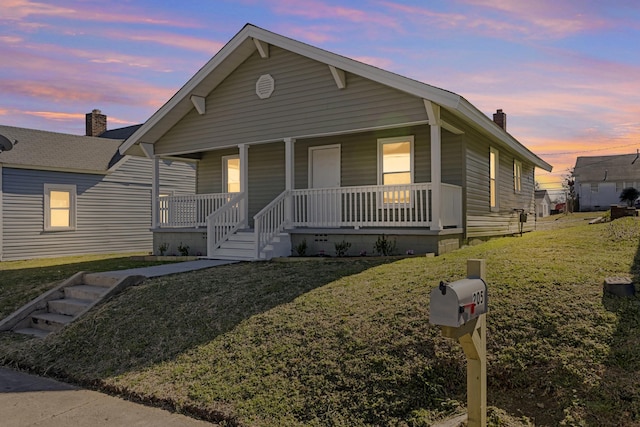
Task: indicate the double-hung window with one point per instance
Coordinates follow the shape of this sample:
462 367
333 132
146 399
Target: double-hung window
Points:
517 176
395 167
59 207
494 160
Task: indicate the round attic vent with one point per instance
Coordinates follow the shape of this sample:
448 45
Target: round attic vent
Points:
265 86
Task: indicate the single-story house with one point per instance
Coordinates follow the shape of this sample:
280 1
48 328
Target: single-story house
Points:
300 146
599 180
543 203
66 194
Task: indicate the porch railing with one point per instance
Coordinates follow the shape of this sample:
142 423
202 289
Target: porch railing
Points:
189 211
270 221
374 206
224 222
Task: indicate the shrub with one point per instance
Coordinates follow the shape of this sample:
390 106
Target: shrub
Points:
342 248
301 248
183 249
162 248
384 246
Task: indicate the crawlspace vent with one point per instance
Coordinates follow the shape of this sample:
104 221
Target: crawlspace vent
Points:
265 86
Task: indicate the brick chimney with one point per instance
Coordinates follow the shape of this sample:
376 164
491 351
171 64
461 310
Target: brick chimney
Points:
96 123
500 119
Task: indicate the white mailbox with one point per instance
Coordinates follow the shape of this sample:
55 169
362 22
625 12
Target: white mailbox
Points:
454 304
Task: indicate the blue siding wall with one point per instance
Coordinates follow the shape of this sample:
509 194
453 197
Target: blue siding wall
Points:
113 212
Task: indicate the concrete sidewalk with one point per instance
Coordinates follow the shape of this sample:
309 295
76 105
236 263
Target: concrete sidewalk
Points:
28 400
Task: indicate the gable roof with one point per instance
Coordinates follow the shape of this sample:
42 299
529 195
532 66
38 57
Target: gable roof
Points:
37 149
616 168
245 43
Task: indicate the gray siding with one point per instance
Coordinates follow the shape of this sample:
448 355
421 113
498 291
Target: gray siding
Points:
306 101
209 175
481 221
266 175
113 212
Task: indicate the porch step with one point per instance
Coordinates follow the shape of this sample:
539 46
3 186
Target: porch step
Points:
235 254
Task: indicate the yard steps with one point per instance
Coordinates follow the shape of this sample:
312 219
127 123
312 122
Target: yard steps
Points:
55 309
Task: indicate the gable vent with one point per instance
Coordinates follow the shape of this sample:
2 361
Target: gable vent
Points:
265 86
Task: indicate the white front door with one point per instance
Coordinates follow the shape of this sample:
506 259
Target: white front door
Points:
324 172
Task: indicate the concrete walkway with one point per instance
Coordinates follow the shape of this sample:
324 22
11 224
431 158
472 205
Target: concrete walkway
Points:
28 400
166 269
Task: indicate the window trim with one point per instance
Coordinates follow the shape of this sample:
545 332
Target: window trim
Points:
225 172
494 169
67 188
381 141
517 176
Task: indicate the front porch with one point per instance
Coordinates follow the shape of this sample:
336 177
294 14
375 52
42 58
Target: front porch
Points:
218 226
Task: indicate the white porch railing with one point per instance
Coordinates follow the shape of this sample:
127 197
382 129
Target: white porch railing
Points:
374 206
270 221
224 222
189 211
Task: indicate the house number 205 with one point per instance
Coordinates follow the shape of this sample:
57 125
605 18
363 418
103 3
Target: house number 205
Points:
477 297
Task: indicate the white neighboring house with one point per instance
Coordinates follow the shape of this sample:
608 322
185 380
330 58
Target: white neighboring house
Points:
543 203
599 180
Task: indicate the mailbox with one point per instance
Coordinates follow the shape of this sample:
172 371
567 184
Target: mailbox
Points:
454 304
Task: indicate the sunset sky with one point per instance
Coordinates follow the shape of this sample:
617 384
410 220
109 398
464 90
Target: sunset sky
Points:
566 72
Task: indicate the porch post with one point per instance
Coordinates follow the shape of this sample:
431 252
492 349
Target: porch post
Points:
433 111
244 182
155 192
289 181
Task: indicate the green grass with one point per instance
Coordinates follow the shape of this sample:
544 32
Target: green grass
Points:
347 342
21 281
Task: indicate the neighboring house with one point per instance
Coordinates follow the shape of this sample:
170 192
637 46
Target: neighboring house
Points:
599 180
297 144
67 194
543 203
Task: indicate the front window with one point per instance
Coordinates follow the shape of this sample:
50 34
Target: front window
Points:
231 170
493 178
59 207
395 166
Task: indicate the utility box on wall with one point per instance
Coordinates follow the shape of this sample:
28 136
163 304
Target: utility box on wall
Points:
454 304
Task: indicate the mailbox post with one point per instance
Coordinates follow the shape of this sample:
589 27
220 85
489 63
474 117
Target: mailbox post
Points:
459 308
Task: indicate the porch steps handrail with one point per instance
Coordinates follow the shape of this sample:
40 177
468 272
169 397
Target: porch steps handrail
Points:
270 221
224 222
189 210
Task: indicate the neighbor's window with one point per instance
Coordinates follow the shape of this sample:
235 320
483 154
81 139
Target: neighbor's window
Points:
231 171
493 178
594 188
517 176
395 166
59 207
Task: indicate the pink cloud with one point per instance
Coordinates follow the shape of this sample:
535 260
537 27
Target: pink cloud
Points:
383 63
21 10
180 41
314 9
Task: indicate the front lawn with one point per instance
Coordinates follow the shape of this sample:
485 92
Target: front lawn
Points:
348 342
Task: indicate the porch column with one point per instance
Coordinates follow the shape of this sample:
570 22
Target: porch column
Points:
155 192
289 180
244 182
433 111
149 152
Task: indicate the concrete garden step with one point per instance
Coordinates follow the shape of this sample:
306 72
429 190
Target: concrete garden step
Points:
85 292
33 332
49 321
69 306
